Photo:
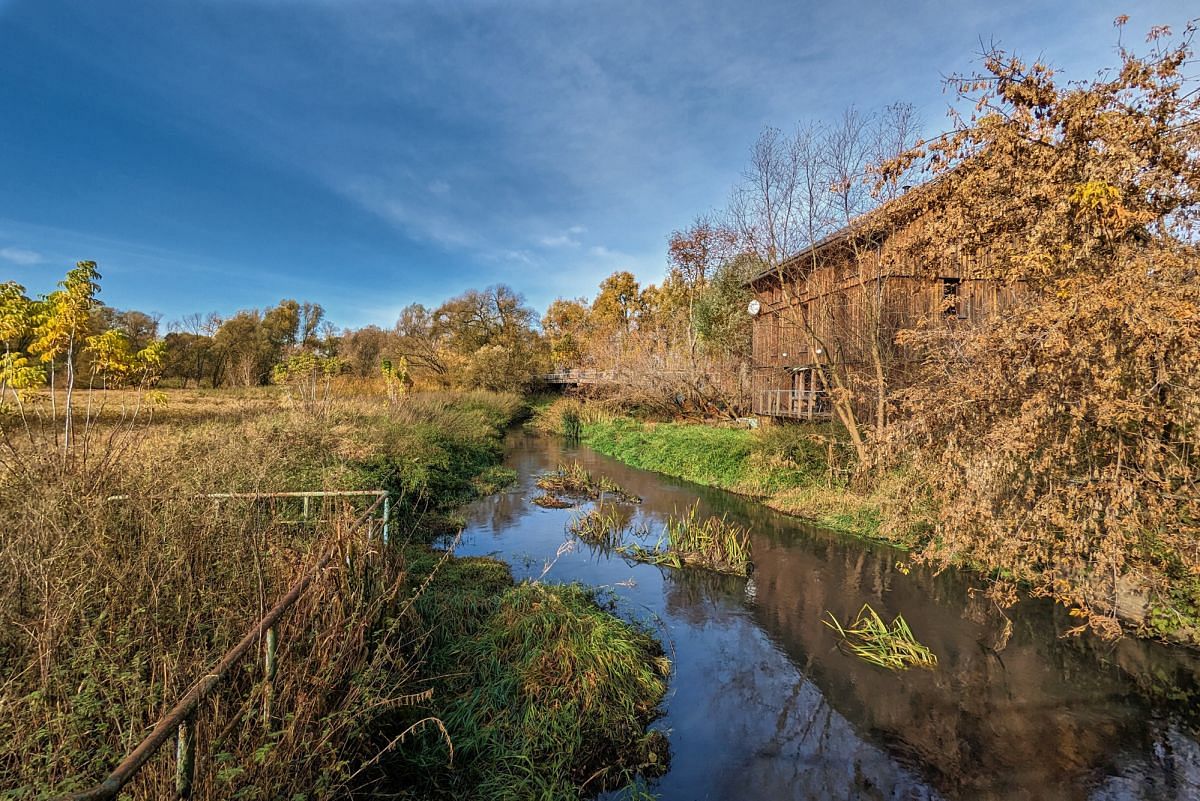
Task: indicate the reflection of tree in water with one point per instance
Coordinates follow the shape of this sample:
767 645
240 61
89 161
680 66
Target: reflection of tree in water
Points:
498 512
788 740
1036 718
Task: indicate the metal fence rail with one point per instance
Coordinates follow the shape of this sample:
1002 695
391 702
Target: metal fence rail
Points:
305 496
178 722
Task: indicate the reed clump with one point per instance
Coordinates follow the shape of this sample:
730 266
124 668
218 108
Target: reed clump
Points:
888 645
576 480
548 501
713 543
603 525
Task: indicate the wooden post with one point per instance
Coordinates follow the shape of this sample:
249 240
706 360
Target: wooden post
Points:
305 513
269 667
185 757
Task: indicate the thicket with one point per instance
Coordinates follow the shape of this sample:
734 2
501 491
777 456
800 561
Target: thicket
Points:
1057 441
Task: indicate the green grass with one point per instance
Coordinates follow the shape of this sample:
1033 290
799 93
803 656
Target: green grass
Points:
543 692
892 646
787 467
718 457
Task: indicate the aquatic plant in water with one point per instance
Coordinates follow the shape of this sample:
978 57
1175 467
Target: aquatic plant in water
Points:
548 501
575 479
892 646
713 543
599 526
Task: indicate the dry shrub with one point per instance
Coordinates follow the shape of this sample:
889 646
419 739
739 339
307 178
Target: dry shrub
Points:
1058 442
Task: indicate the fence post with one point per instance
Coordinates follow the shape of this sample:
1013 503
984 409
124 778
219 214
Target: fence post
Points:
269 666
387 515
305 513
185 757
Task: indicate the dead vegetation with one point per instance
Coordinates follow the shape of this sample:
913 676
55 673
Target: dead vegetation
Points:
111 607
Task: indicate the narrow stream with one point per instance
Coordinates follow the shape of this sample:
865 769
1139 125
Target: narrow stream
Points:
763 705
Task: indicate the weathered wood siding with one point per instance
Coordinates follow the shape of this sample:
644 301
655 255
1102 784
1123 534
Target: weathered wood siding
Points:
836 304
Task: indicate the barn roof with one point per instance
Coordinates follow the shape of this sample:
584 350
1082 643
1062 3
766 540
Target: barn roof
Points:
861 227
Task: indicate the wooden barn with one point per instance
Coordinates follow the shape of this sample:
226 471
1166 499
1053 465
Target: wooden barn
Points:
838 305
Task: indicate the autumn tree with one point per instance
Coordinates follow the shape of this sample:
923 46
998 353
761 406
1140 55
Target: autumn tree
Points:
618 303
19 372
63 325
417 341
481 338
364 349
1058 441
719 319
798 189
693 256
567 327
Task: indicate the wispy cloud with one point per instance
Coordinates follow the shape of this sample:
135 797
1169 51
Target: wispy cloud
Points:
22 256
447 144
564 240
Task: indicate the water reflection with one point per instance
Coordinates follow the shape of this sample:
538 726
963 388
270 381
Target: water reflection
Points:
763 705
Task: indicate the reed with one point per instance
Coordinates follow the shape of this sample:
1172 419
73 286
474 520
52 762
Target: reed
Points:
892 646
572 425
603 526
713 543
574 479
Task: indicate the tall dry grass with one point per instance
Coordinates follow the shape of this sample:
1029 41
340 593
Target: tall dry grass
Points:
110 609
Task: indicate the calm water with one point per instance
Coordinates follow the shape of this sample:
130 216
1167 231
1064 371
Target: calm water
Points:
762 705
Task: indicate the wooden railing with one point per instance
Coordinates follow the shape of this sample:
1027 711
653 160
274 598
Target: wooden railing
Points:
791 403
179 721
578 377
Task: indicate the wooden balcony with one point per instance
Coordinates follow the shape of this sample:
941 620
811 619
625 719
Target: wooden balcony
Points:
792 404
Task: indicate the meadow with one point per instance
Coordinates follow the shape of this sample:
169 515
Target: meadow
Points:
120 587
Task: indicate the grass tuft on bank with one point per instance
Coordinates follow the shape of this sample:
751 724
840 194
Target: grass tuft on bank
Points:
545 692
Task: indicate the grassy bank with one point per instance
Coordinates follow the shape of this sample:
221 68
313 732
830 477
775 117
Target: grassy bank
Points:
109 610
545 692
796 469
799 469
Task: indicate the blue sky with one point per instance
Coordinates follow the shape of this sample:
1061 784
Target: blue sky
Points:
222 154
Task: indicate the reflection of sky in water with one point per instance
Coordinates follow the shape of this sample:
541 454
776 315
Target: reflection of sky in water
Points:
763 706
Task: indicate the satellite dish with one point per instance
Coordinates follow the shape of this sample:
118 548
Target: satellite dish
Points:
754 308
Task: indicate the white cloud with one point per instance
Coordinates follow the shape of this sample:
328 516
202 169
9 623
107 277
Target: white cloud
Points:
559 241
22 256
420 220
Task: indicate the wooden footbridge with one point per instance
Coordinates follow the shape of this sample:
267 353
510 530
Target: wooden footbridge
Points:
578 378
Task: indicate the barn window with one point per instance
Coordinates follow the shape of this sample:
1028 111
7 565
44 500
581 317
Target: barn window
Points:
950 298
